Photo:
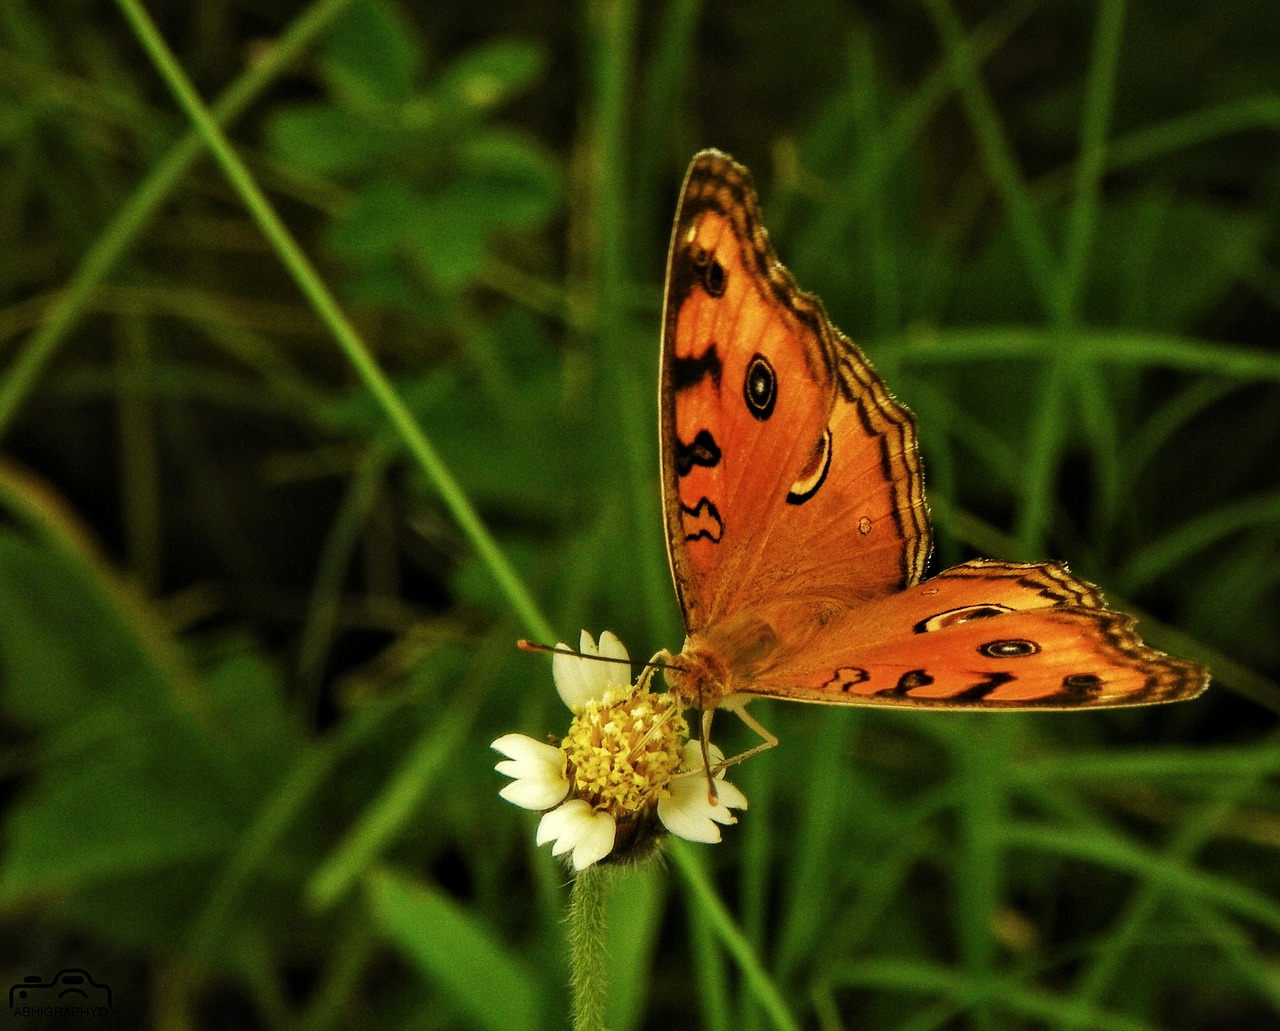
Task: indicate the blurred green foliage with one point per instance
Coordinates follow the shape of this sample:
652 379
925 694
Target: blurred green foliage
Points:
250 660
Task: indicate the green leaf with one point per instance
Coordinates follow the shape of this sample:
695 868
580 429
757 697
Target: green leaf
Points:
449 232
122 808
519 183
66 657
145 772
373 58
457 953
327 140
373 226
487 76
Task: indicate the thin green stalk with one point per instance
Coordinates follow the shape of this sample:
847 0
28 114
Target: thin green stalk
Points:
1111 347
396 804
139 474
670 58
911 977
587 962
1185 131
1040 459
1158 869
710 973
324 602
612 29
1099 98
133 216
981 756
1140 909
703 898
997 155
326 307
295 789
1196 535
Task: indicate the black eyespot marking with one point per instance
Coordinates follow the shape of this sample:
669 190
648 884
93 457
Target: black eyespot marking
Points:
1008 649
846 678
703 451
713 279
760 387
689 372
912 679
1082 684
953 617
710 272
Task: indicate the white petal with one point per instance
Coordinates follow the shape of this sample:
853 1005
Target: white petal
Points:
685 812
612 648
536 795
570 676
595 841
576 826
560 822
684 808
691 755
600 676
730 795
537 772
521 747
582 679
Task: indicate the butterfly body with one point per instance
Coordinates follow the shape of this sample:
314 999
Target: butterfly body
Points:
796 521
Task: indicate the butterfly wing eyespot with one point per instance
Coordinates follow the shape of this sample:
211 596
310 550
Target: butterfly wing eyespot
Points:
760 388
796 522
1009 648
713 277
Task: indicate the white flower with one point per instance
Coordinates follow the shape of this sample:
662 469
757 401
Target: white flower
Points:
684 808
626 757
537 772
589 832
581 681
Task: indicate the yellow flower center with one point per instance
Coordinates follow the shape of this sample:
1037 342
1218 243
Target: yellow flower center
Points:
624 748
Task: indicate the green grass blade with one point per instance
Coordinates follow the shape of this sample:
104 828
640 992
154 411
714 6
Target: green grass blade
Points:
133 217
327 308
454 951
703 898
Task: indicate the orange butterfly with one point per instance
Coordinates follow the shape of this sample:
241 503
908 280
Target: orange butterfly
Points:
796 522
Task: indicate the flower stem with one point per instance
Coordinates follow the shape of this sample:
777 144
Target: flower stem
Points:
587 950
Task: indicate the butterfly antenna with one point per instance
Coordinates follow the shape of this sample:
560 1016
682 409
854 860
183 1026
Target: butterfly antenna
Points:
534 646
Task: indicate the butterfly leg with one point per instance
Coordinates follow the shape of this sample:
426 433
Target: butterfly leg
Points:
767 738
767 741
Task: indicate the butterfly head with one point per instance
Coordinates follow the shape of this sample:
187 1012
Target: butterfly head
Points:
721 661
696 677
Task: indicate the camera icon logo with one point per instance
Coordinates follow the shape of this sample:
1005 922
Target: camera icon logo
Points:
69 987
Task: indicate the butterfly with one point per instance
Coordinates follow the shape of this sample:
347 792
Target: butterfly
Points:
797 529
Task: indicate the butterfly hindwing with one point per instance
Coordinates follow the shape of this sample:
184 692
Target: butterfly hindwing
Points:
984 634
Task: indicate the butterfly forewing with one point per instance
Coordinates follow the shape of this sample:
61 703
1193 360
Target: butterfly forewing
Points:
788 470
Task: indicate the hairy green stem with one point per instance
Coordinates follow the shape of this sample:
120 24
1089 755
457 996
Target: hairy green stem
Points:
586 934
